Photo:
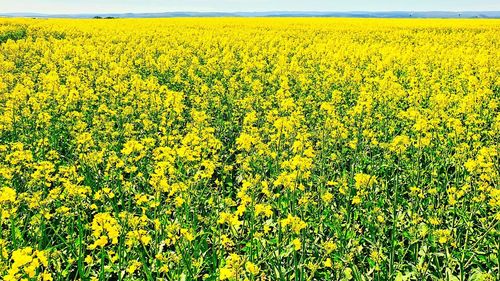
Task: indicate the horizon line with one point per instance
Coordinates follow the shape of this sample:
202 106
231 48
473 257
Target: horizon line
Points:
267 11
444 14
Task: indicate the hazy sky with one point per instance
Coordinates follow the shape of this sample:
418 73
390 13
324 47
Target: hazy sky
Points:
106 6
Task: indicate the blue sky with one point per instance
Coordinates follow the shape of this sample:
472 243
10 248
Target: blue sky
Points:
106 6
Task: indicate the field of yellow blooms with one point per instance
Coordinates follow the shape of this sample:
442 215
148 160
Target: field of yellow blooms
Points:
249 149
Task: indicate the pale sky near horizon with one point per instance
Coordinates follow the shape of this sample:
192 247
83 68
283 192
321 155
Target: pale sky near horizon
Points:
137 6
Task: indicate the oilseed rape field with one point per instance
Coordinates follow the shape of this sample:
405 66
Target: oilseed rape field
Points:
249 149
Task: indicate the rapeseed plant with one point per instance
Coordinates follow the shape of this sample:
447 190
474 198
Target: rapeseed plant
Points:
249 149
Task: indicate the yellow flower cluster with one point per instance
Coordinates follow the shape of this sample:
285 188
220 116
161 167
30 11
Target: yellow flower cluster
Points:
105 229
25 263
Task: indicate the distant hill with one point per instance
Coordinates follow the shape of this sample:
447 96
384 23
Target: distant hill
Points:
360 14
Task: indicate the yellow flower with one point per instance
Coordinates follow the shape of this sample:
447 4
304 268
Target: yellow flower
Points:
297 245
100 242
356 200
104 226
178 201
375 256
46 276
327 197
399 144
89 260
295 223
471 165
444 235
327 263
42 257
7 195
133 267
329 247
245 141
187 234
434 221
364 180
226 242
380 219
263 209
252 268
226 273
